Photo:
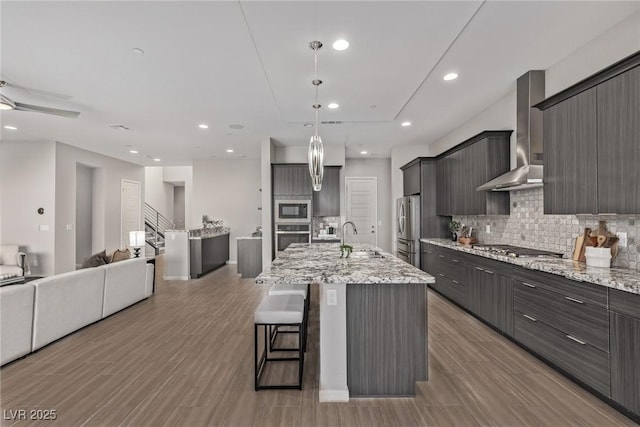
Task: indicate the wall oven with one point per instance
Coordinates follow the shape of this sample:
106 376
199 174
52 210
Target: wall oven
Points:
292 211
291 233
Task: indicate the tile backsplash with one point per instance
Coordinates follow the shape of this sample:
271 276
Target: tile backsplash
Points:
527 226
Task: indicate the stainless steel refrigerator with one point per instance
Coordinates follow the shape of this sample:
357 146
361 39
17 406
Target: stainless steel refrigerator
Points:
408 217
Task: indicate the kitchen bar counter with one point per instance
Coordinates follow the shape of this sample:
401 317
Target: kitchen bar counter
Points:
373 318
321 263
622 279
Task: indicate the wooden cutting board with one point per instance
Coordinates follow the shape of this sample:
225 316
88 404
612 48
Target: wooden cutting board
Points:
586 241
578 248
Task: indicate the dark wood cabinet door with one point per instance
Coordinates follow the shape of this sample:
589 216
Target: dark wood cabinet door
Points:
411 180
473 173
443 186
432 225
301 181
619 144
625 361
504 304
498 161
570 156
326 202
456 170
282 180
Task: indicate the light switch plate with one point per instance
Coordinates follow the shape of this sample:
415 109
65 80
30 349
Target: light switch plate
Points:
69 227
623 240
332 297
488 229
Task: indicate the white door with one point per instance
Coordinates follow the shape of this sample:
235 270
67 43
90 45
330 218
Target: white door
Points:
129 210
362 209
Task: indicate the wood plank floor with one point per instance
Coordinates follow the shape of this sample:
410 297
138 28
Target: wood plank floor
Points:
184 357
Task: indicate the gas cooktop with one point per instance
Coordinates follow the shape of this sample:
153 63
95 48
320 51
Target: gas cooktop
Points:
515 251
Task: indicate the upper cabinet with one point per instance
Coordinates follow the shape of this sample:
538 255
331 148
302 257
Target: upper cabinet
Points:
570 151
291 180
465 167
411 178
592 143
326 202
619 144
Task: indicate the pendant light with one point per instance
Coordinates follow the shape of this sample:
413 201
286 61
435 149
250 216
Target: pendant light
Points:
316 155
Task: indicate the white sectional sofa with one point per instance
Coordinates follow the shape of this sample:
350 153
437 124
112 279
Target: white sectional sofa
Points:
37 313
11 260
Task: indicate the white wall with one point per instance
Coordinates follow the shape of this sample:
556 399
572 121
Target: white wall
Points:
229 190
108 190
267 153
157 192
84 212
183 175
179 207
27 182
381 169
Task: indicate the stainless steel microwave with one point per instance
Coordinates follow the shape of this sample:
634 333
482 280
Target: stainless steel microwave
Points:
293 211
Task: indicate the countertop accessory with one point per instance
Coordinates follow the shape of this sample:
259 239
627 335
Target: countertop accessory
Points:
454 226
316 155
598 257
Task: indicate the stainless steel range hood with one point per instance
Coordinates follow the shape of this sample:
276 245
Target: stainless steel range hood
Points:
528 171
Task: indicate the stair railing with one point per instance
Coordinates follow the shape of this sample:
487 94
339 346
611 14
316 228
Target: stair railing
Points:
158 223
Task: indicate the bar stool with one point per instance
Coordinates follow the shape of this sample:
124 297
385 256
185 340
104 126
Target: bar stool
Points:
279 310
291 289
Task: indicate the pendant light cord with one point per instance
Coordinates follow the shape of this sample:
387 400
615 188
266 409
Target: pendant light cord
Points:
315 56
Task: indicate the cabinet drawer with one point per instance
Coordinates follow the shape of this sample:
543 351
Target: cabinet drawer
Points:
582 291
581 319
583 361
453 268
453 289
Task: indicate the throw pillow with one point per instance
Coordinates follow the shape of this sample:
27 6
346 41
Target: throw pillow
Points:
95 260
119 255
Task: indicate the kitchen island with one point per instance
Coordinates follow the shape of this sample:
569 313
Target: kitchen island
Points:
373 318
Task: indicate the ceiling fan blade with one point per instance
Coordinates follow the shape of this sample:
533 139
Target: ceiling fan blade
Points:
37 92
46 110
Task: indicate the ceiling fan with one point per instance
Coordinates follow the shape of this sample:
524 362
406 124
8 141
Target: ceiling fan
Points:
9 104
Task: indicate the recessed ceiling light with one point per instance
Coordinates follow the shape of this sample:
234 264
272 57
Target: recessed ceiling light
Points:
236 126
405 124
333 106
11 127
203 126
340 44
156 159
363 152
450 76
229 150
138 51
133 151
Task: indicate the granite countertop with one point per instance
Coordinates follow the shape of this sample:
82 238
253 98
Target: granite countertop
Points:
321 263
623 279
209 235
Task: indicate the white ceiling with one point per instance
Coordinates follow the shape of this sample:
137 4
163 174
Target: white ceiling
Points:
248 63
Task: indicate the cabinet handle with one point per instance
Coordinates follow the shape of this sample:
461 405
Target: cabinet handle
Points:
441 275
529 285
456 282
454 260
530 318
574 300
487 271
441 256
479 269
576 340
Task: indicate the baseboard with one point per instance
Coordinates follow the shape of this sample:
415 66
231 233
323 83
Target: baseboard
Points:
334 395
176 277
232 262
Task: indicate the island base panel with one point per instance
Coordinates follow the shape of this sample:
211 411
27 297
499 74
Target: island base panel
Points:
386 339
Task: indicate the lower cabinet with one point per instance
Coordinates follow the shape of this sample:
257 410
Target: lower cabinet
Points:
625 349
491 295
583 361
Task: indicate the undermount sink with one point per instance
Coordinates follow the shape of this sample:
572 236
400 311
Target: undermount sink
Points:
365 254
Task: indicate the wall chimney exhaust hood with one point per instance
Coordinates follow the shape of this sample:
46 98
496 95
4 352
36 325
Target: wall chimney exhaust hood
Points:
528 171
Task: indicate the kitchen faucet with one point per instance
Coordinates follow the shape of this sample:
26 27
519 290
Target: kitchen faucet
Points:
355 231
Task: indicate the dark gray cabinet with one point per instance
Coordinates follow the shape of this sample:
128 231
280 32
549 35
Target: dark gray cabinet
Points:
591 149
411 178
465 167
291 180
625 349
326 202
432 225
570 156
618 112
491 295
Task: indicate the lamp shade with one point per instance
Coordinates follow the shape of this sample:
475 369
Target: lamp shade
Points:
136 239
